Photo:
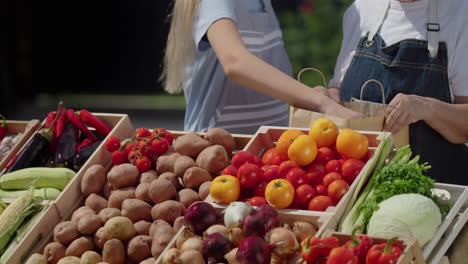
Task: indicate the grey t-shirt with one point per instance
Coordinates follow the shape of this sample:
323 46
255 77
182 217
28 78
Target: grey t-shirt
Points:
212 99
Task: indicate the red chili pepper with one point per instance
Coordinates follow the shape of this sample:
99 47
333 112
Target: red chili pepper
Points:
95 122
360 245
79 124
50 118
342 255
3 128
314 249
86 142
61 122
384 253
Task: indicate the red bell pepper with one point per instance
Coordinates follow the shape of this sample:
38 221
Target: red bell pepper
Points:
95 122
360 245
3 128
384 253
79 124
342 255
314 249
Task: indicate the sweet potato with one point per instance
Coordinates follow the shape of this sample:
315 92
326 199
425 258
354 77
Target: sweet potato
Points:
160 227
108 213
161 190
96 202
219 136
89 224
123 175
139 248
69 260
118 196
165 163
93 180
168 211
213 159
136 210
119 227
66 232
204 190
188 196
190 144
142 228
182 164
170 176
37 259
114 252
195 176
142 192
80 212
148 176
178 223
54 252
90 257
79 246
101 237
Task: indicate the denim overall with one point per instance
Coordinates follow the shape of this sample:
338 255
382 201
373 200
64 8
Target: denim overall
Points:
407 67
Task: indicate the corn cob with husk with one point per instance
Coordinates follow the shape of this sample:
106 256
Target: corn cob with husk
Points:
2 207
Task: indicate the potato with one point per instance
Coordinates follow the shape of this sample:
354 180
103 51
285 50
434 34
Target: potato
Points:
90 257
100 237
190 144
93 180
182 164
188 197
148 261
159 243
37 259
123 175
168 211
69 260
89 224
96 202
219 136
108 213
54 251
79 246
161 190
195 176
165 163
107 190
148 176
170 176
80 212
66 232
204 190
178 223
139 248
114 252
119 227
142 192
142 227
160 226
136 210
213 159
118 196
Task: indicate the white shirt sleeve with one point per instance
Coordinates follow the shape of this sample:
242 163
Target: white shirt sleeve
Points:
459 65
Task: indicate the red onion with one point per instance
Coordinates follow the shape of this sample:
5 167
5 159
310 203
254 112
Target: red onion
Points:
254 250
199 216
261 221
215 247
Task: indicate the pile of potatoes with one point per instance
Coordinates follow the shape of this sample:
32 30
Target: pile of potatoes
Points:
130 217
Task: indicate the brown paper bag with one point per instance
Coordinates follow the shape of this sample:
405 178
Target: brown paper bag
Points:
373 120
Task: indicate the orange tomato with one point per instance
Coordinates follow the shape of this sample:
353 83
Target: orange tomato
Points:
303 150
324 131
286 139
279 193
225 189
351 144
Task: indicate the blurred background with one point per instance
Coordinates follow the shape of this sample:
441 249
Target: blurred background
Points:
106 55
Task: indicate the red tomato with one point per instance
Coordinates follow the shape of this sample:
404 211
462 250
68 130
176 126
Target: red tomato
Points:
342 161
367 156
285 167
321 189
265 167
242 157
271 173
145 149
351 169
304 194
119 157
333 166
169 137
230 170
297 177
143 164
269 156
335 152
159 146
112 143
257 161
142 132
315 173
324 155
320 203
245 194
336 189
249 175
331 177
280 158
129 147
260 189
257 201
133 155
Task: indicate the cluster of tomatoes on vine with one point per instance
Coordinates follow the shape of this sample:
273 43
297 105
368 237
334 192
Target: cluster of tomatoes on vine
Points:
142 149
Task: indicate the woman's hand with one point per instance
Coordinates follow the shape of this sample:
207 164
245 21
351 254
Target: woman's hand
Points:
330 107
334 94
403 110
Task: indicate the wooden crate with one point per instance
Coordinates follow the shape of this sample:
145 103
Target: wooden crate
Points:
411 253
14 128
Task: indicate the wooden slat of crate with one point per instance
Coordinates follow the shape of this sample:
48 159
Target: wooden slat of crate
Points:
240 139
14 128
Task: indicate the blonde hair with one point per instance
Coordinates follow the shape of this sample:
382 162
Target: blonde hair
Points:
180 46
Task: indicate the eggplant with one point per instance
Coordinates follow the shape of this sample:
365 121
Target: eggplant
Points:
32 155
66 147
83 155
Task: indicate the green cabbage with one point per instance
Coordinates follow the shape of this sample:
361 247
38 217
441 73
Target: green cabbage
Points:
406 215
